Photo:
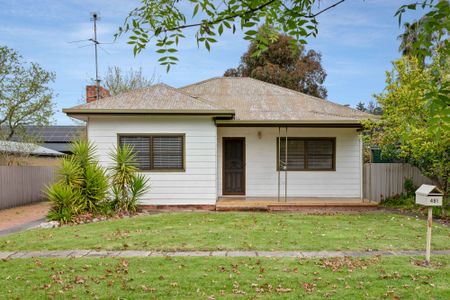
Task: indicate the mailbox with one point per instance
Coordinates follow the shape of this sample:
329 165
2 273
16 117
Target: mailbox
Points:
429 195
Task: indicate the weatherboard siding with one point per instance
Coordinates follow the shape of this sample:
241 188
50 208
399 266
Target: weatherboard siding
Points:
262 176
197 184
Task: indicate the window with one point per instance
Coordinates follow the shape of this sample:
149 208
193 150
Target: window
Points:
157 152
306 154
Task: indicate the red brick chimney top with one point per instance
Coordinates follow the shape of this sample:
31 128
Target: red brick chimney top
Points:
91 93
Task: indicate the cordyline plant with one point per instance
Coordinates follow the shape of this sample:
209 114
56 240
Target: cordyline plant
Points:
82 186
407 128
164 23
127 185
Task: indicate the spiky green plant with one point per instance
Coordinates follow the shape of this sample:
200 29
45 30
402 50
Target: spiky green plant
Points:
95 187
127 186
70 172
139 186
81 174
64 200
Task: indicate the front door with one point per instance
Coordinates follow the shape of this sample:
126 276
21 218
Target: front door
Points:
233 166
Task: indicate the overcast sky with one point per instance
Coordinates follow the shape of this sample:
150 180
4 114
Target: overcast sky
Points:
357 39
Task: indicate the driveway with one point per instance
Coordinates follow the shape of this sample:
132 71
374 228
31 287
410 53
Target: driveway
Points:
21 216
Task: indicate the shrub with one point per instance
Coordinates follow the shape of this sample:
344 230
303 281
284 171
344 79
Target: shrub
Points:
64 202
82 185
410 187
127 186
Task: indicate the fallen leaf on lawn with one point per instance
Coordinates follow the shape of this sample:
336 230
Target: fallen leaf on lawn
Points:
79 280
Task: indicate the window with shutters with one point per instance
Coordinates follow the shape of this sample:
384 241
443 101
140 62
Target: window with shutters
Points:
306 154
157 152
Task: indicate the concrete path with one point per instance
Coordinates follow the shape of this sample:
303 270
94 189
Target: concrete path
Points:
136 253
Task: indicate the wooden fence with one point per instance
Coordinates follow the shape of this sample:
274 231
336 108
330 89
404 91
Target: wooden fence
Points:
21 185
383 180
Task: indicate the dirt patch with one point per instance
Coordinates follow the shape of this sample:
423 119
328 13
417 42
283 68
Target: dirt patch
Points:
12 217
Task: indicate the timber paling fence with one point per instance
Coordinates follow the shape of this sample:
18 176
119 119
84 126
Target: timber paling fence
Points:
22 185
384 180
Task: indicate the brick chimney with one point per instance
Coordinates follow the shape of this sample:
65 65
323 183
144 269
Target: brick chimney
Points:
91 93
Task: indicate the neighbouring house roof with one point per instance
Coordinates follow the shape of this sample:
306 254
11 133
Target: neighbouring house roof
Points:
255 100
55 137
56 133
26 149
159 99
242 99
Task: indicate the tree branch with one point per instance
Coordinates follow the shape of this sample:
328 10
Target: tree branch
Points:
239 15
325 9
222 19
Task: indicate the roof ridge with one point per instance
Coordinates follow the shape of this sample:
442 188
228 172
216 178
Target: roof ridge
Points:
314 97
281 88
197 98
203 81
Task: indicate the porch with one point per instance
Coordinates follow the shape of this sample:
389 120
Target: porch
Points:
307 204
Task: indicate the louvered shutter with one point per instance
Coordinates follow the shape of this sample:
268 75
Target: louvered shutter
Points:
320 154
141 147
167 152
295 155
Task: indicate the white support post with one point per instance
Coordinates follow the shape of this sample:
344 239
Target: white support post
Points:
429 225
286 166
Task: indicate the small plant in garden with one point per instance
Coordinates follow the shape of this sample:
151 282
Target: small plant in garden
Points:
409 187
127 185
82 186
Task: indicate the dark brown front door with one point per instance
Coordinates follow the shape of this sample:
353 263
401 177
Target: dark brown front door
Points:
233 166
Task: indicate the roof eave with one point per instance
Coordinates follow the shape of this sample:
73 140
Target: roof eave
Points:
206 112
291 123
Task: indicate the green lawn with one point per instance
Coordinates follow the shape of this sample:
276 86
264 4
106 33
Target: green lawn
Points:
224 278
238 231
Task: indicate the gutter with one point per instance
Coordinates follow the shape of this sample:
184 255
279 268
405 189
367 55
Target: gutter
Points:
74 111
290 123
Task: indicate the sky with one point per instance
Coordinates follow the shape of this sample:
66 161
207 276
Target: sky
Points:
357 40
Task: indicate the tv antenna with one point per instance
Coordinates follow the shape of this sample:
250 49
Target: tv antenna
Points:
95 17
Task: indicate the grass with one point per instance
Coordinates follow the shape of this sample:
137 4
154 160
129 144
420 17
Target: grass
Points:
224 278
238 231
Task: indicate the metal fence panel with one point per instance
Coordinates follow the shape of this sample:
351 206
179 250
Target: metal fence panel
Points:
21 185
383 180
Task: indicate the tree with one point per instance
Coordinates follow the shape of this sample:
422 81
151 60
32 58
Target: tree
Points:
408 37
117 81
372 108
284 65
25 97
164 23
432 38
406 129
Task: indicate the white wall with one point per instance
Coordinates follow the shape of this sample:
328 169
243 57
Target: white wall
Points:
197 185
261 174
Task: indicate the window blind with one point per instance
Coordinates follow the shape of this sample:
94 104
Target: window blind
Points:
306 154
141 148
168 152
157 152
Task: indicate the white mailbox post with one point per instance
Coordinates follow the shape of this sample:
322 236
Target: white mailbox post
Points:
429 195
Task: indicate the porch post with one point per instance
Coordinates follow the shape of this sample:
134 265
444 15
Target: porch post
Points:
286 166
279 161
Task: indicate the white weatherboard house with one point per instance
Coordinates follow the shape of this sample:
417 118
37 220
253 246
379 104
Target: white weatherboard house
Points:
226 137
